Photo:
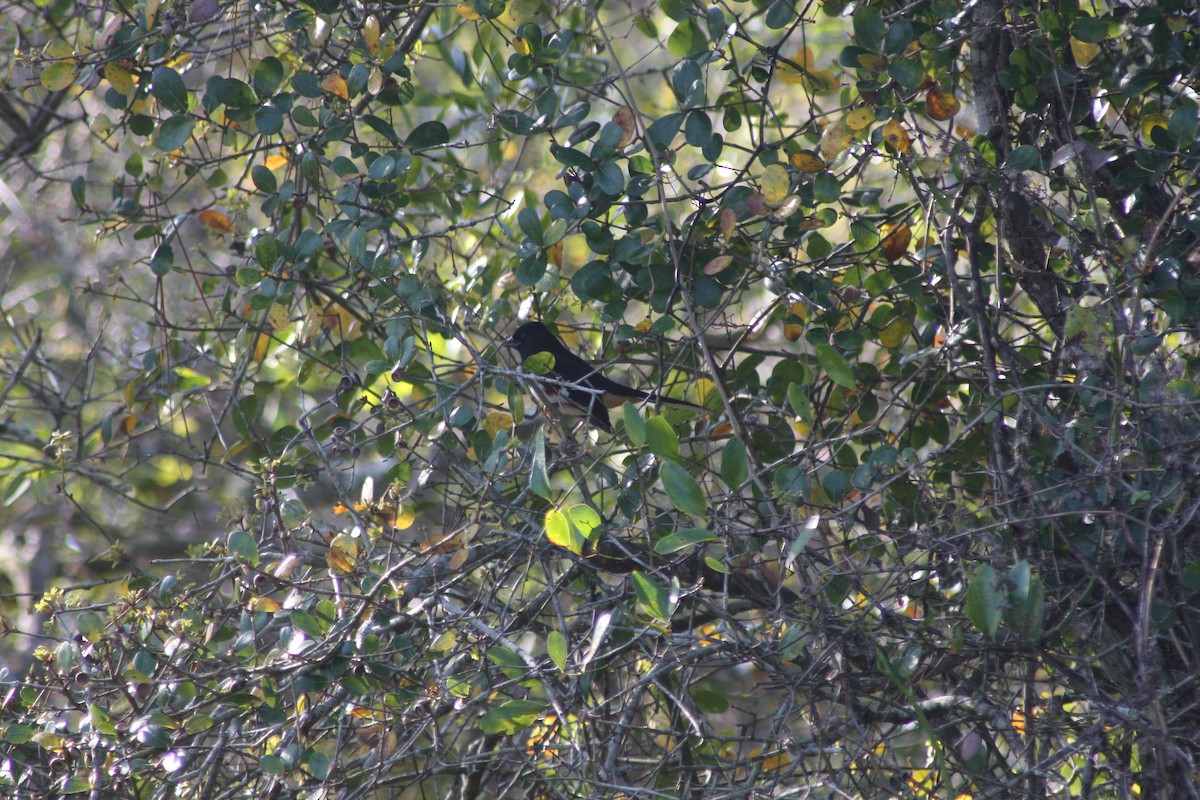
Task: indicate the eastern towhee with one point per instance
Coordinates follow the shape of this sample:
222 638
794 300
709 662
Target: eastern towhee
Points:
581 387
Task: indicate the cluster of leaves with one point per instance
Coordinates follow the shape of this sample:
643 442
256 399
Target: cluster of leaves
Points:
933 271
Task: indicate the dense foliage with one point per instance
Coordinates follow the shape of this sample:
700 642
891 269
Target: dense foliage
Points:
282 519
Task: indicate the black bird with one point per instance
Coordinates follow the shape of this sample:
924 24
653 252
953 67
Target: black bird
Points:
582 388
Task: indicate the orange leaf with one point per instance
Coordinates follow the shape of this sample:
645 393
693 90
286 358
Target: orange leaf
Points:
624 120
128 423
807 162
336 84
940 105
211 218
275 161
896 137
895 244
342 554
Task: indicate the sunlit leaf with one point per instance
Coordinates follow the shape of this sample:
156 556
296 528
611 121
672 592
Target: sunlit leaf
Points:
335 84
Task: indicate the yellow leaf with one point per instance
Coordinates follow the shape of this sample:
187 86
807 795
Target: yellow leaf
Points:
645 326
497 421
823 81
57 49
342 554
405 517
803 61
1084 52
275 161
119 78
834 139
895 332
215 220
872 62
467 11
262 346
896 137
521 11
1152 121
336 84
775 184
277 316
521 46
58 76
128 423
859 119
371 34
265 604
792 331
704 387
807 162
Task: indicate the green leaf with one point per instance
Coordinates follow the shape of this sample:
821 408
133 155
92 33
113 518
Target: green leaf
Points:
163 259
635 425
174 133
428 134
556 648
661 438
18 734
1090 29
734 464
685 493
561 532
167 87
868 28
241 545
585 520
90 626
653 597
898 38
908 72
688 83
664 130
539 481
1025 157
780 14
836 366
983 599
1182 126
681 540
710 702
531 226
540 363
511 717
268 75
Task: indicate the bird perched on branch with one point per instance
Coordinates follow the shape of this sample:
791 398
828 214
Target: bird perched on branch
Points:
575 384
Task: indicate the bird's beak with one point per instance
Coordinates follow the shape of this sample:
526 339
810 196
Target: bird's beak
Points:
509 343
